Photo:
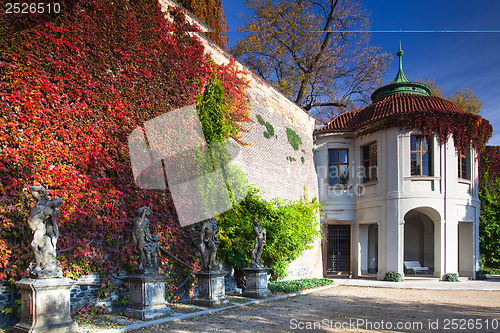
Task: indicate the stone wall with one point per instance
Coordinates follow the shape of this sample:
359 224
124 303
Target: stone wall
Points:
7 297
272 164
83 293
265 160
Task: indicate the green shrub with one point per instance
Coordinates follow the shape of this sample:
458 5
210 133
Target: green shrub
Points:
291 228
296 285
393 277
489 218
489 270
266 135
451 277
481 275
14 309
302 159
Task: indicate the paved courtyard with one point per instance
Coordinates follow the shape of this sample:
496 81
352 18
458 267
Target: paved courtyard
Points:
347 308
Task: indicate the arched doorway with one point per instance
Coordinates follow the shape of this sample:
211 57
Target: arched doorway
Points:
419 239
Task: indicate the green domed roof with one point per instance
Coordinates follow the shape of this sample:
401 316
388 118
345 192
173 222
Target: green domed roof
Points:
401 85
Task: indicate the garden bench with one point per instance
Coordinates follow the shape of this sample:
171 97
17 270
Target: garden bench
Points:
415 267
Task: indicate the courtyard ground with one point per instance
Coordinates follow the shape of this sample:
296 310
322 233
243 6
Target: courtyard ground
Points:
357 309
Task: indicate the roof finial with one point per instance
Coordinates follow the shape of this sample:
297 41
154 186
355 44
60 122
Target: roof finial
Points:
400 85
400 77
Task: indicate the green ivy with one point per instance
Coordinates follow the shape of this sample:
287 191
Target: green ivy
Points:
269 133
270 129
211 105
293 138
261 120
291 228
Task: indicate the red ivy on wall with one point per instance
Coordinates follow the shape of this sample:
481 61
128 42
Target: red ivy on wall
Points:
490 162
73 86
468 130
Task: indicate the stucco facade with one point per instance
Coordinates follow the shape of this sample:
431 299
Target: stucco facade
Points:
432 219
390 194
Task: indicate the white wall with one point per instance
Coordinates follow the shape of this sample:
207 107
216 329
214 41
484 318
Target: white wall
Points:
443 198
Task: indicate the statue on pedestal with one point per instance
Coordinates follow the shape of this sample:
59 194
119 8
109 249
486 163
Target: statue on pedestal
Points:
260 240
45 296
43 223
147 244
208 246
147 285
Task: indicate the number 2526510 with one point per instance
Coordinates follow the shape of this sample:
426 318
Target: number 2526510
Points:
32 8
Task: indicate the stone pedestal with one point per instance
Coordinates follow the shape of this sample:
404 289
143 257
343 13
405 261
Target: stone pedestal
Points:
45 306
210 288
147 297
256 282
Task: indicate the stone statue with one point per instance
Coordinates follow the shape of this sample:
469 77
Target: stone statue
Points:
208 246
43 223
260 240
146 244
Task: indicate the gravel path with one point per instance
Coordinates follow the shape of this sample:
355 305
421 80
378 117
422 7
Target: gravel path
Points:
357 309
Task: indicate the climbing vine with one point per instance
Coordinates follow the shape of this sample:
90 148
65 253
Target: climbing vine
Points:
212 13
72 88
223 107
269 132
468 130
293 138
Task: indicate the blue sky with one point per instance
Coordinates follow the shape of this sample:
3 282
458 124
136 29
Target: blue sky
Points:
453 60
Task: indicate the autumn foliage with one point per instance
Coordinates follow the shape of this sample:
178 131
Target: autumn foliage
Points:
73 86
212 13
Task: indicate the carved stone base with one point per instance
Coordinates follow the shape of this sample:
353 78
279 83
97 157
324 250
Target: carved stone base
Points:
147 297
256 282
211 288
45 306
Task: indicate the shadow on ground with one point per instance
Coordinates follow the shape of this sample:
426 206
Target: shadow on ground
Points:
356 309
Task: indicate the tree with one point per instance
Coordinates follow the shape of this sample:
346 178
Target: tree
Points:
212 13
331 69
435 88
467 100
489 194
465 97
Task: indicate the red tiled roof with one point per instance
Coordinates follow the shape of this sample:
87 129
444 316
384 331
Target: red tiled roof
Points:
388 106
